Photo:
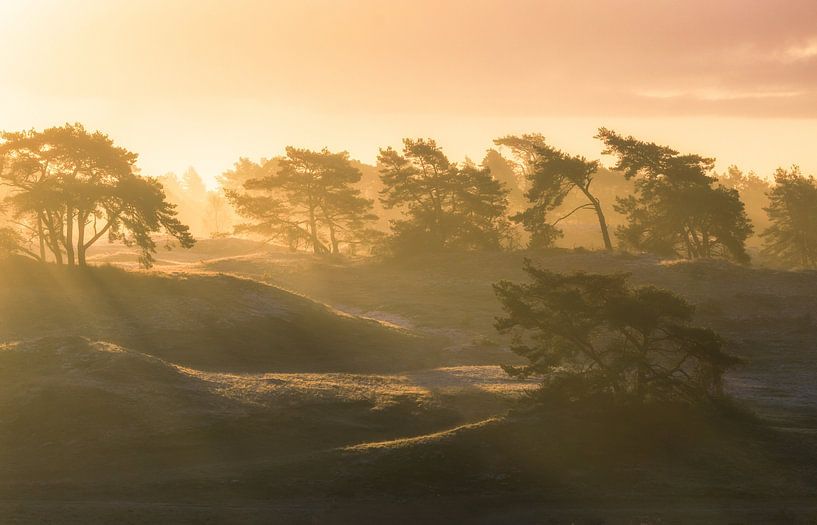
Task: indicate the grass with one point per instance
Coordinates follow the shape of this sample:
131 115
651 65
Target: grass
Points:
767 316
249 383
211 322
95 411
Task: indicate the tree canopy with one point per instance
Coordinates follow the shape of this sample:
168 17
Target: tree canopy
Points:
677 209
70 187
592 334
306 198
446 205
552 175
792 210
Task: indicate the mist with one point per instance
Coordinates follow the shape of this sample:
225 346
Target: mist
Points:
408 262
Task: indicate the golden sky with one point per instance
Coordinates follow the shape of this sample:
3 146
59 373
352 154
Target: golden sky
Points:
202 82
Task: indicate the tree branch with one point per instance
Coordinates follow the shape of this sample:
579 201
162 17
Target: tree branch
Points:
583 206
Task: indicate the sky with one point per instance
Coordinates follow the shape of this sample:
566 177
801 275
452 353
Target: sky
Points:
204 82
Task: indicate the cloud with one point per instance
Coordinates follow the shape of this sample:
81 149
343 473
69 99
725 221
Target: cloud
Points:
457 57
806 51
715 94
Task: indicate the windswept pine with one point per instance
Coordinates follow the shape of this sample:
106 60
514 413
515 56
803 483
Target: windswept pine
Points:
551 175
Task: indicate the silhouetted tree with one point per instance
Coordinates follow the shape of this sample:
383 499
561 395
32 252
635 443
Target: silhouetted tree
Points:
446 206
677 208
552 175
69 188
590 334
306 197
792 236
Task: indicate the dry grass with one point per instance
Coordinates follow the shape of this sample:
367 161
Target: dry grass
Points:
198 386
769 317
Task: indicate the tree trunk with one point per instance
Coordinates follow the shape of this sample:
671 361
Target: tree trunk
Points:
53 239
57 251
605 232
439 232
81 218
313 231
69 235
696 244
97 236
707 250
688 244
332 237
41 236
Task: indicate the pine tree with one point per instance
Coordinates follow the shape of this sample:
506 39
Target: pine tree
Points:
70 187
307 197
552 175
592 334
446 206
792 210
677 209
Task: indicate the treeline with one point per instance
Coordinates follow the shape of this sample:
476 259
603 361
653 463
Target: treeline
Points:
65 188
523 193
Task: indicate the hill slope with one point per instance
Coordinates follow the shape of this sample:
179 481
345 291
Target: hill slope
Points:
76 410
214 322
147 397
769 317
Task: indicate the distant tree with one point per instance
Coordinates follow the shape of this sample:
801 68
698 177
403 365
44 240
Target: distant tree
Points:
172 186
308 197
446 206
552 175
245 170
189 195
70 187
193 184
505 171
591 334
215 213
792 236
677 209
753 191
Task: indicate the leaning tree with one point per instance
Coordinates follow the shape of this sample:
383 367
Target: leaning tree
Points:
69 188
552 175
